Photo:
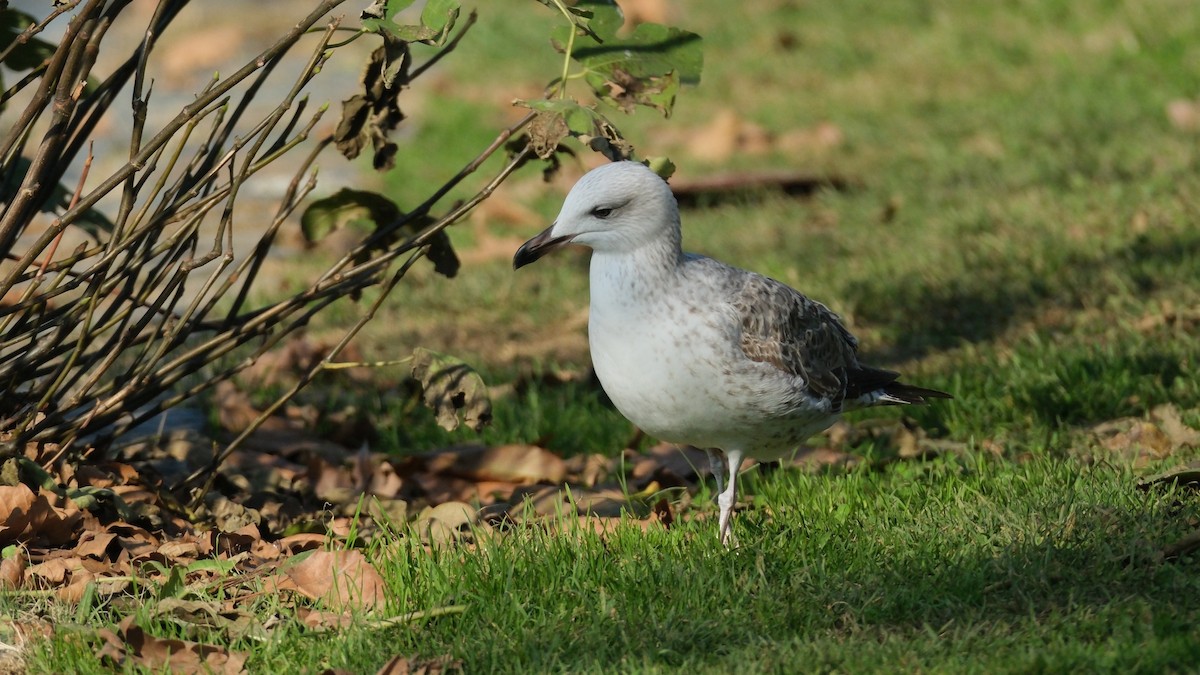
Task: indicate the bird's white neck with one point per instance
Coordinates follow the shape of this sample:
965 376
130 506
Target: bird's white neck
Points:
642 272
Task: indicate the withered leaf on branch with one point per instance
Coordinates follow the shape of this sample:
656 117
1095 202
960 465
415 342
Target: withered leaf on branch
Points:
370 116
451 388
440 252
547 130
346 207
645 67
370 212
584 122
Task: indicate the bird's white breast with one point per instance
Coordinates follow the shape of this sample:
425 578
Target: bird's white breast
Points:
667 354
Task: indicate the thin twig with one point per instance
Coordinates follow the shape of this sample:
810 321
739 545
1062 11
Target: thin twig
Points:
10 219
87 166
418 615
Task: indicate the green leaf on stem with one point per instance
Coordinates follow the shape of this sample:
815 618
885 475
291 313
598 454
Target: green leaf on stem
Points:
646 67
437 20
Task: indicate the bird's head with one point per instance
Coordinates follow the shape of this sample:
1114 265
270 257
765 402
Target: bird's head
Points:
614 208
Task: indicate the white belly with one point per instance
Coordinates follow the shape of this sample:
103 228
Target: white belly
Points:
654 383
679 374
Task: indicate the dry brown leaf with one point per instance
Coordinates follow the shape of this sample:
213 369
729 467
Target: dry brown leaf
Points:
391 512
669 464
587 470
317 620
235 412
55 571
305 541
544 500
1142 439
16 502
12 569
816 139
1184 114
101 475
815 459
385 482
725 135
216 542
403 665
644 11
605 503
174 550
230 516
53 523
341 580
446 523
514 463
131 646
1172 425
136 542
1188 476
73 592
94 545
333 482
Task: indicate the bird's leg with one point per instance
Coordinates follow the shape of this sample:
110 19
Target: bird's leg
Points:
729 495
716 464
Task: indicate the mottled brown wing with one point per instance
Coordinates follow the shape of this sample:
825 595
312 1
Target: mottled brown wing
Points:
797 335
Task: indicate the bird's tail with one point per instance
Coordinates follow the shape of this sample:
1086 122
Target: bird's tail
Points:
899 393
867 386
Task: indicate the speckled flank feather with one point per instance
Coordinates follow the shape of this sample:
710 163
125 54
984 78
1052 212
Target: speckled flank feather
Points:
798 336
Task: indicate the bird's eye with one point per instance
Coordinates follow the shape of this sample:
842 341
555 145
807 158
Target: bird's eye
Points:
602 212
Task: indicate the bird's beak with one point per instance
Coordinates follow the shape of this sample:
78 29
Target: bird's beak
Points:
537 247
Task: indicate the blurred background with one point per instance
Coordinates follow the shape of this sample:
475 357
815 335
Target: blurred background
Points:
998 198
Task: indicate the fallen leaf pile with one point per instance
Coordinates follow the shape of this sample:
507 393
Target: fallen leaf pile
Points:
285 513
1143 440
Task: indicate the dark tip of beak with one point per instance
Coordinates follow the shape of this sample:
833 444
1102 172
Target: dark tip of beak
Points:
537 247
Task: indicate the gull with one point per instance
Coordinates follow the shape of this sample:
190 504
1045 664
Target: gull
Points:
696 352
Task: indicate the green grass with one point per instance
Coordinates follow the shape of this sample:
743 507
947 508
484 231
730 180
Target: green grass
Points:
971 565
1021 206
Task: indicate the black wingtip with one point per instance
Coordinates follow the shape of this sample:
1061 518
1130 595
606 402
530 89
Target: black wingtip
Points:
910 394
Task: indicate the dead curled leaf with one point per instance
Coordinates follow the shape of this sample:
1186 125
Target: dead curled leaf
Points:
131 646
41 516
16 501
1156 436
447 523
